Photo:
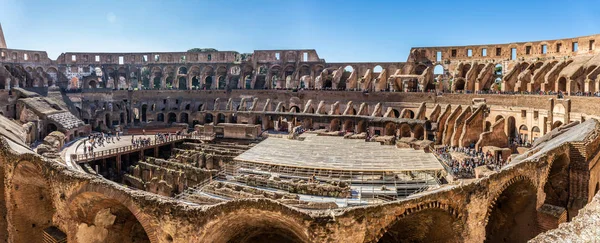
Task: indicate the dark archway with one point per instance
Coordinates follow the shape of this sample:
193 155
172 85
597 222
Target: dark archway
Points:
208 118
419 132
51 127
335 125
562 84
557 184
221 118
513 217
160 117
295 109
144 112
222 83
184 117
182 83
172 118
428 225
208 82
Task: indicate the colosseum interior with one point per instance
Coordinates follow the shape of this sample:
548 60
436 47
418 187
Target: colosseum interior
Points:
482 143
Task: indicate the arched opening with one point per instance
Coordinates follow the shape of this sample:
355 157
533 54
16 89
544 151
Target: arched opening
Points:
222 83
30 206
409 114
562 84
390 129
220 118
144 112
438 70
183 117
157 83
248 82
348 126
459 84
182 83
378 69
195 83
200 107
160 117
557 185
488 126
535 133
361 127
404 131
335 125
523 133
396 113
513 217
172 117
419 132
427 225
104 219
51 127
420 69
498 117
92 84
107 120
208 82
208 118
256 227
295 109
511 128
556 124
498 70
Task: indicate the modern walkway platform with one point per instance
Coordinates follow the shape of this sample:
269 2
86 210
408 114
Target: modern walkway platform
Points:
337 153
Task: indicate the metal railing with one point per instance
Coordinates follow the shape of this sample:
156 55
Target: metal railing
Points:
80 158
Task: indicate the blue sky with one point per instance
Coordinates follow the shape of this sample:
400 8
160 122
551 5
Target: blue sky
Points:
339 30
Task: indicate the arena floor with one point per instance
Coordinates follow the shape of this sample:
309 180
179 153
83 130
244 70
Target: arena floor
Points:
337 153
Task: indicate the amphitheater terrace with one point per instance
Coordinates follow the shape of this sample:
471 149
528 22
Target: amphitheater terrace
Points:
482 143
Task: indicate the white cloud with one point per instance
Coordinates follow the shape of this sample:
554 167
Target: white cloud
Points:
111 17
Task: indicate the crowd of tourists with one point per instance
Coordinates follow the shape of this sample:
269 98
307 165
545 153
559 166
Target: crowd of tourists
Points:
98 140
140 141
465 168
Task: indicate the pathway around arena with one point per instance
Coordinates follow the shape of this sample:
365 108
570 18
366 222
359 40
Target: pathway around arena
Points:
77 148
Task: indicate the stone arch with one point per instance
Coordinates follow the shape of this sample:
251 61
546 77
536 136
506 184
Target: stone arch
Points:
208 118
95 206
335 125
556 124
396 113
524 133
408 113
295 109
29 205
557 187
160 117
419 132
561 84
184 117
390 129
249 224
419 69
512 214
348 126
221 118
404 131
429 222
361 127
459 84
511 127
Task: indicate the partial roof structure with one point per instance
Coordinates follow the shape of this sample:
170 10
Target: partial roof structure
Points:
2 40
